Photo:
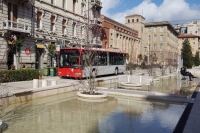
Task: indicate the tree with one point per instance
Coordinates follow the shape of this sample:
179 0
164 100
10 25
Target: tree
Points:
51 49
186 53
196 59
140 57
19 44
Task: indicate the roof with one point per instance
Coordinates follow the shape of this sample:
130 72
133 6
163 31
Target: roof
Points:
122 25
162 23
188 36
135 15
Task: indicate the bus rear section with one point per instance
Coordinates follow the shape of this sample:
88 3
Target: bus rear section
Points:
69 63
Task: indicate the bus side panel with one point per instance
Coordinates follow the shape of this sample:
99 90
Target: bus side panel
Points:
104 70
70 72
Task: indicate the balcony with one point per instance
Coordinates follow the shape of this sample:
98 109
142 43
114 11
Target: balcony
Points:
14 26
96 2
96 21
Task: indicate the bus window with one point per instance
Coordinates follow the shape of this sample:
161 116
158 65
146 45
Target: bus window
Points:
69 58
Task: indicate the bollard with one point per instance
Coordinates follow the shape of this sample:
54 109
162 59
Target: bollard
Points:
44 83
35 83
128 78
53 82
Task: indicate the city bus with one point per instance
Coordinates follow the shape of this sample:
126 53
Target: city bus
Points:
81 62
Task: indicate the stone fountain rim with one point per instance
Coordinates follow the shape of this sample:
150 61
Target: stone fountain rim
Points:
80 94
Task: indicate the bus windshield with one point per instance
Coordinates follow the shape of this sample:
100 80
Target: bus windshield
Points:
69 58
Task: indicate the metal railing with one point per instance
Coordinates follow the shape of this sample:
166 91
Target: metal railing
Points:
15 26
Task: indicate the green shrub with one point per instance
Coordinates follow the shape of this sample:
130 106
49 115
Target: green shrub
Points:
18 75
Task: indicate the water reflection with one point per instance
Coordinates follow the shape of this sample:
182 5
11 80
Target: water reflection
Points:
66 114
168 85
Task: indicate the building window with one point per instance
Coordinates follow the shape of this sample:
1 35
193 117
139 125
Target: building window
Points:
74 6
74 29
52 2
149 38
154 46
161 46
161 38
128 21
39 22
149 29
137 20
64 30
132 20
161 29
155 38
155 29
82 27
64 4
52 23
82 9
106 45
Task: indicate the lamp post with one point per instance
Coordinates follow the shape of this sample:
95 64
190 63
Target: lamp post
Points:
148 47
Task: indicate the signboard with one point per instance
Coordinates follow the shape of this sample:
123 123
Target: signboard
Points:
27 51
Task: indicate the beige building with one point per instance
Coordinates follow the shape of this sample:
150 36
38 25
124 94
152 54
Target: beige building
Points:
63 23
193 40
119 36
159 40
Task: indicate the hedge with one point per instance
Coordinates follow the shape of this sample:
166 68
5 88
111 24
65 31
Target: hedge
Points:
18 75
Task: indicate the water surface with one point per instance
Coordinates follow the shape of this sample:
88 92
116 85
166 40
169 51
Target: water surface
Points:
67 114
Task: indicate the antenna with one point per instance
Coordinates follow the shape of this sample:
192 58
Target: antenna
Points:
142 12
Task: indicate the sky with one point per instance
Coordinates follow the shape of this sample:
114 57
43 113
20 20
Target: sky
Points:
174 11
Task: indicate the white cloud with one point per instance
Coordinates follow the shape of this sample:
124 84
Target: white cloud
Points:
108 4
169 10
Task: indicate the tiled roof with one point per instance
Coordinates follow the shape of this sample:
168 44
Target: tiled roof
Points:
135 15
188 36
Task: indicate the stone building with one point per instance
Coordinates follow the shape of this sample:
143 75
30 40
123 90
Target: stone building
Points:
193 40
119 36
192 27
159 40
42 22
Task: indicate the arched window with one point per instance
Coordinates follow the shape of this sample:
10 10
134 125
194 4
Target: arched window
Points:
137 20
128 21
132 20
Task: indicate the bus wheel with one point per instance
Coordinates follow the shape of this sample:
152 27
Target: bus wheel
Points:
116 71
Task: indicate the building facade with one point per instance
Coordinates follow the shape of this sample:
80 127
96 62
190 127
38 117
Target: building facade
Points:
160 43
194 41
119 36
192 27
159 40
42 22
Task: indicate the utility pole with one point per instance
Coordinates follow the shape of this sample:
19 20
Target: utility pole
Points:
148 48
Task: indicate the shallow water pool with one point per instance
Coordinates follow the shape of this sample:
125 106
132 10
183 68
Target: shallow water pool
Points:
67 114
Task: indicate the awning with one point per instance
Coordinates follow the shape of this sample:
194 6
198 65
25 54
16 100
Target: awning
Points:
40 45
11 42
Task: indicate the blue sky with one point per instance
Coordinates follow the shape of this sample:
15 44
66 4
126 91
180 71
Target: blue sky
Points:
153 10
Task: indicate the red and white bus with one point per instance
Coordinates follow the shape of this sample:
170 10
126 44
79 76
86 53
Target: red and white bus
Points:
79 62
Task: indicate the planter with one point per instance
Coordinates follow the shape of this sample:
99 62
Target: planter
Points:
40 77
97 95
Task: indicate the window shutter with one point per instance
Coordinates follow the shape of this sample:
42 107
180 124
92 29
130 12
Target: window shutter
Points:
39 15
64 23
53 19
